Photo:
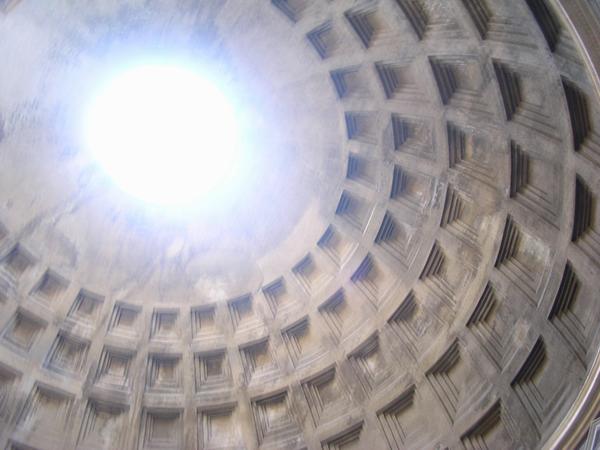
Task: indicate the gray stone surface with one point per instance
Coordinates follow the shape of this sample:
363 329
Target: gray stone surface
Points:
413 260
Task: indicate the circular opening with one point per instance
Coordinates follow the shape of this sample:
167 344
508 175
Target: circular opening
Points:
164 133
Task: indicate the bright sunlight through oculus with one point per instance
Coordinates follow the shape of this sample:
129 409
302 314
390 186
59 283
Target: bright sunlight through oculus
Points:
163 133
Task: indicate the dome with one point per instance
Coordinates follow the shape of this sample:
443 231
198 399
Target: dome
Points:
406 256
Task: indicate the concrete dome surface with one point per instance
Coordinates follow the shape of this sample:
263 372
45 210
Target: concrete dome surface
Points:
409 257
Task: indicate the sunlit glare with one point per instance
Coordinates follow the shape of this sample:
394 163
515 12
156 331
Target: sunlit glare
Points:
163 133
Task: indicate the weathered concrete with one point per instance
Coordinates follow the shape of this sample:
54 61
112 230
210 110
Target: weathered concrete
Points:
412 259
